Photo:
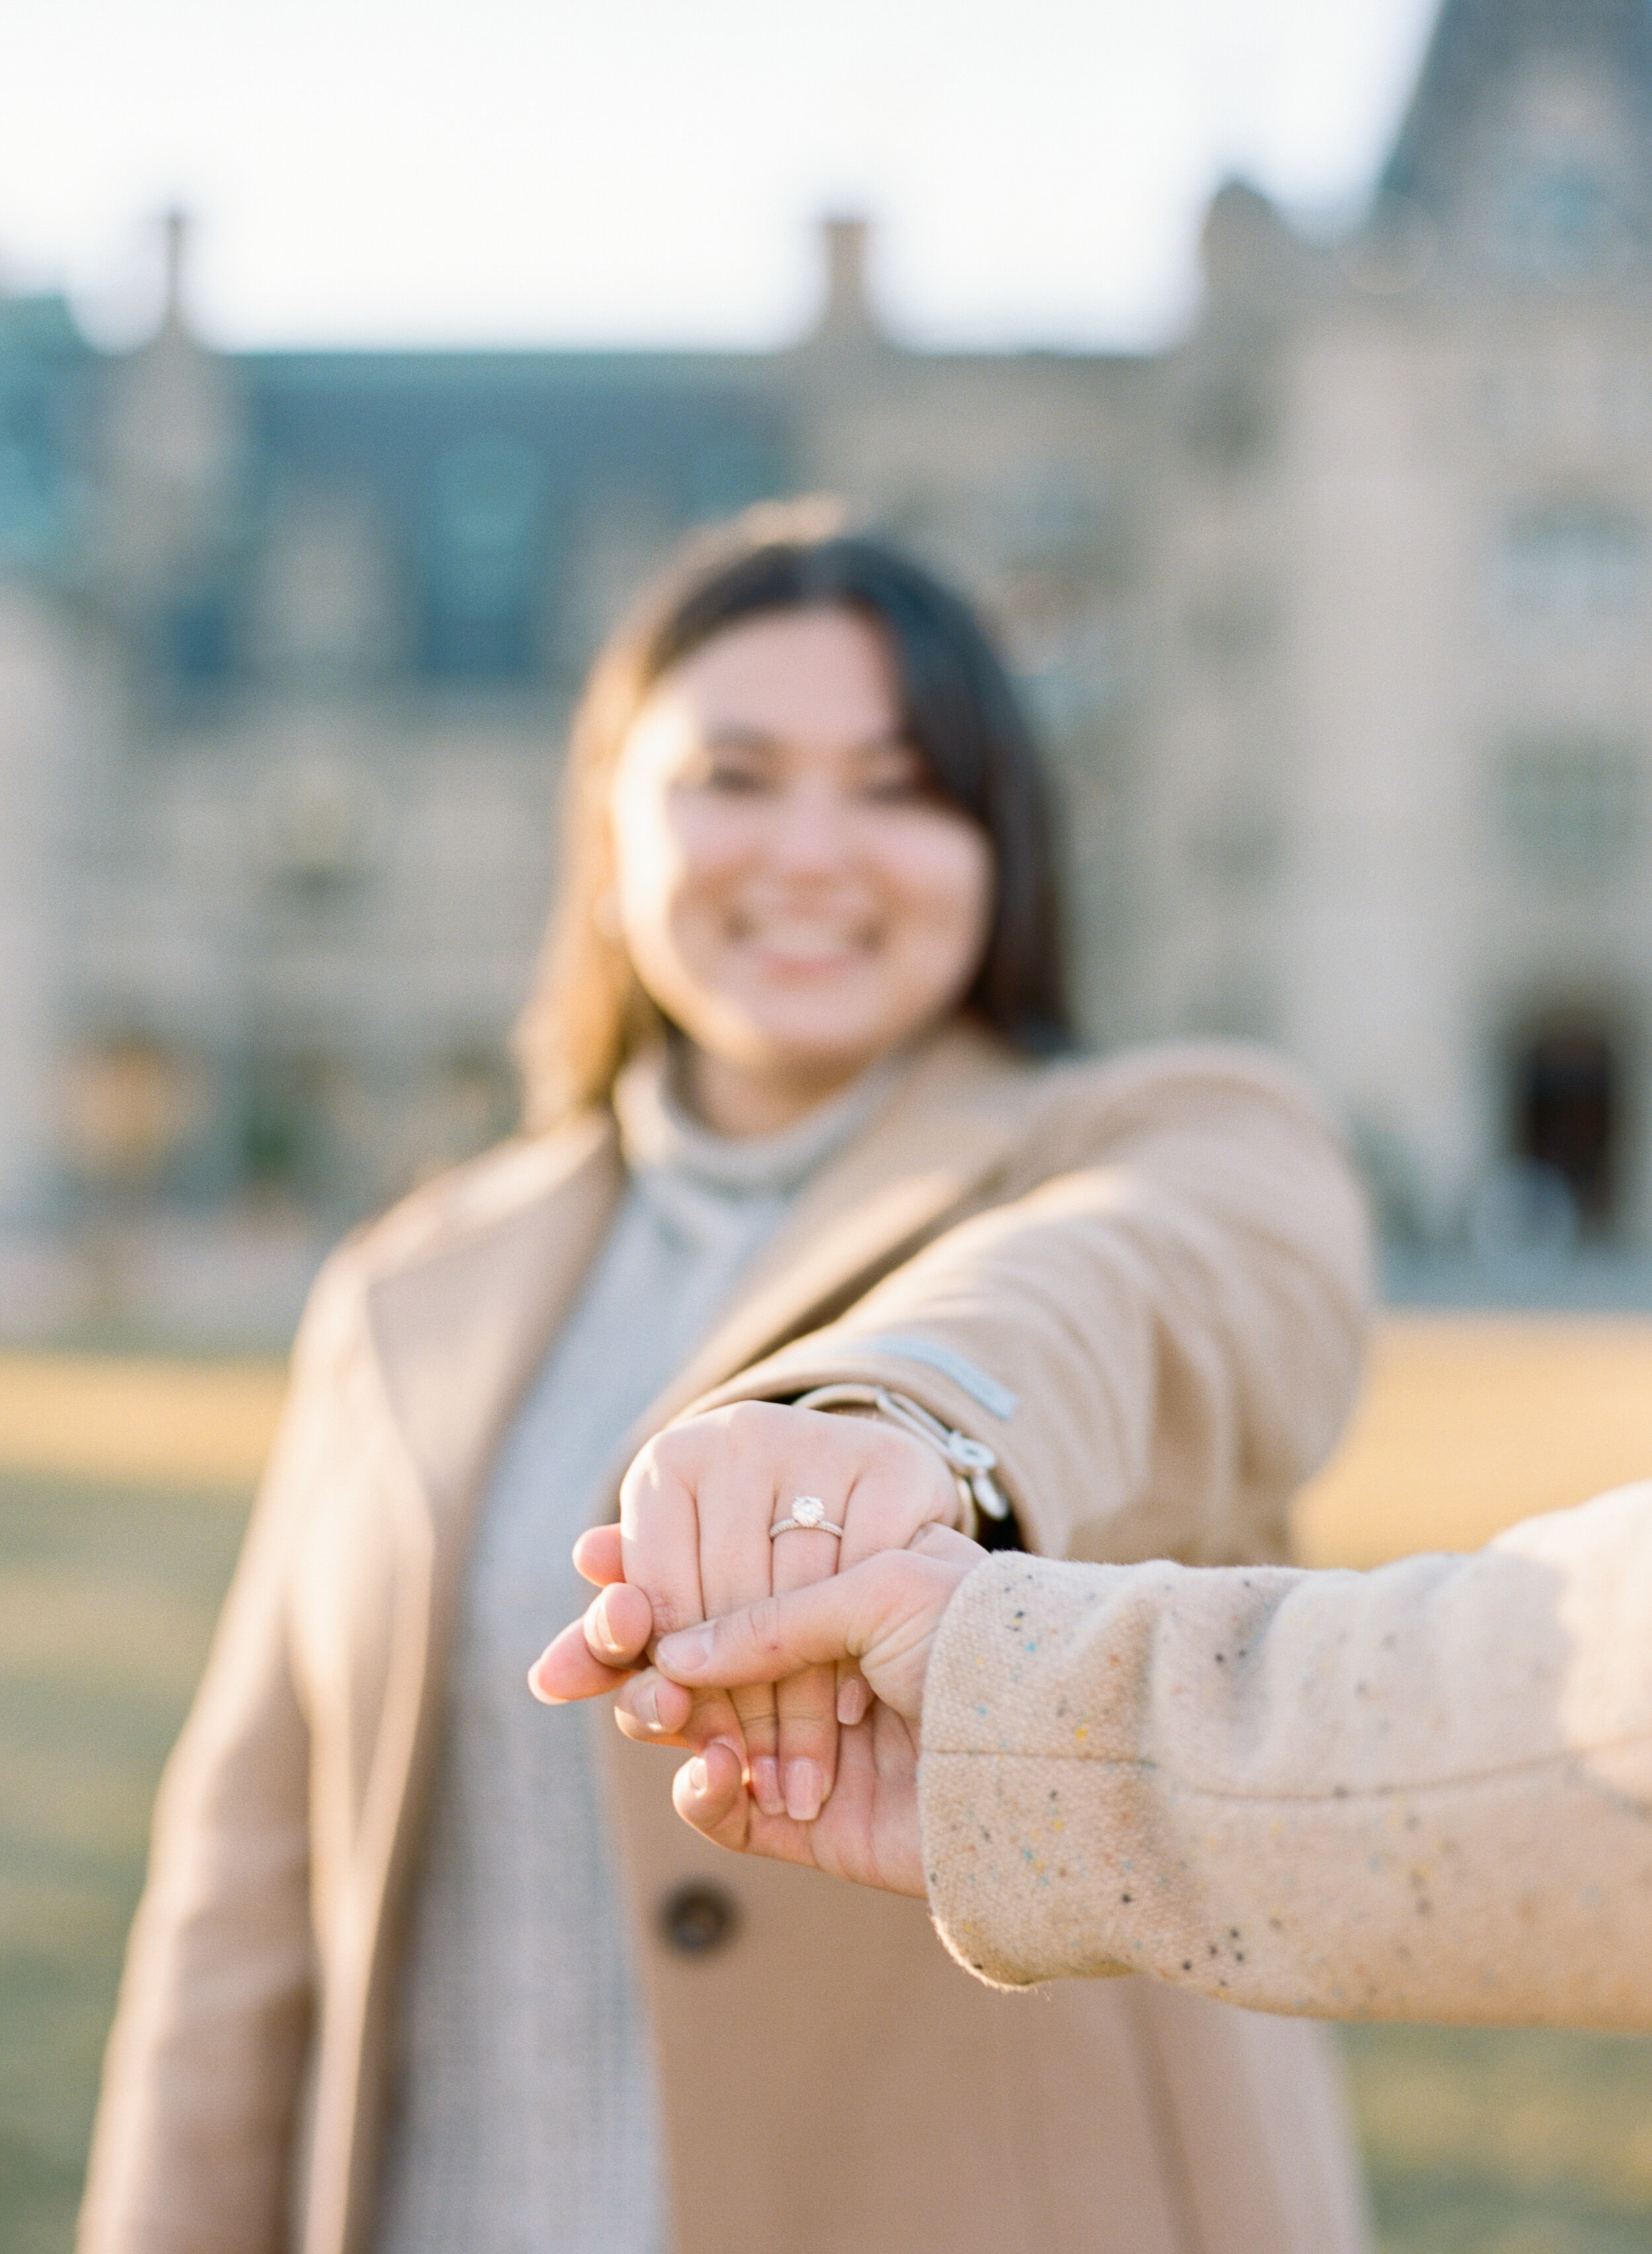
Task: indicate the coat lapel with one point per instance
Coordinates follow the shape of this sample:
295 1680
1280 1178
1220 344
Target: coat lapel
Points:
461 1326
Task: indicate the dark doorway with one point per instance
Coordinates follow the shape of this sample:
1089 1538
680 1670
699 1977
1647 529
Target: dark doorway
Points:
1567 1100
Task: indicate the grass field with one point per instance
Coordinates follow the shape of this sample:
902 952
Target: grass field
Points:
106 1597
122 1491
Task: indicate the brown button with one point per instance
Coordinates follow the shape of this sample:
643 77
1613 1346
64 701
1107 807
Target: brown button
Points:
696 1919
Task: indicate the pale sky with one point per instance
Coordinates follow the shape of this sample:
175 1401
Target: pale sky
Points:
626 172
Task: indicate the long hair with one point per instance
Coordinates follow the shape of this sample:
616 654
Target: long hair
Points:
588 1012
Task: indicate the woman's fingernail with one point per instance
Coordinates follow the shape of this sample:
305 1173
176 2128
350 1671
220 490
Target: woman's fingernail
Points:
805 1787
765 1785
646 1705
853 1699
688 1648
699 1777
546 1697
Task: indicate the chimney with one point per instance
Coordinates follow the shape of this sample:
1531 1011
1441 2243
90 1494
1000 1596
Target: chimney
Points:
1248 252
177 228
847 313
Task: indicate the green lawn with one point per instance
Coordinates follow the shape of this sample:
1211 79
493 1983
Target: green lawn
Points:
1479 2144
107 1598
1483 2142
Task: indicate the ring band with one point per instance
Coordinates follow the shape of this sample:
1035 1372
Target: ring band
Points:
808 1517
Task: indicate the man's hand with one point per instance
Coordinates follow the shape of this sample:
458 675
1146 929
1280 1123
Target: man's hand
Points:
881 1616
693 1544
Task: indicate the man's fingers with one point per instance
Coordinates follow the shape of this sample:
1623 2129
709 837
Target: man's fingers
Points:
710 1792
775 1637
948 1545
653 1710
883 1613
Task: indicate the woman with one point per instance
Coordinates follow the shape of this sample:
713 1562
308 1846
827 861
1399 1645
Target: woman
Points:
1421 1793
416 1966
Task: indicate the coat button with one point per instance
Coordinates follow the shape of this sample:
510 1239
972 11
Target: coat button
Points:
697 1919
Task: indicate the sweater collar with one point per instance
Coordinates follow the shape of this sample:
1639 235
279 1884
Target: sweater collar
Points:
658 1137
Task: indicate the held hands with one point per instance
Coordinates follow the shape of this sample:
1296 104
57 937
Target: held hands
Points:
693 1544
881 1617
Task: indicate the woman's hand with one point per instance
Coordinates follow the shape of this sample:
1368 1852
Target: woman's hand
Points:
882 1615
693 1542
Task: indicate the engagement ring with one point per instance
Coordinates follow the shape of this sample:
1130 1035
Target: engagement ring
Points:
808 1517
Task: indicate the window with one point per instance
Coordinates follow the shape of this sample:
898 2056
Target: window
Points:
1565 224
1565 1107
318 827
294 1104
197 640
487 535
1571 810
1571 566
131 1106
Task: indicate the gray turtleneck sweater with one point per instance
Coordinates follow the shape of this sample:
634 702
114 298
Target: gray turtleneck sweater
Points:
526 2119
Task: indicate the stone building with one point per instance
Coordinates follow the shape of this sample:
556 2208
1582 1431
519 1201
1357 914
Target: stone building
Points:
1416 681
1336 614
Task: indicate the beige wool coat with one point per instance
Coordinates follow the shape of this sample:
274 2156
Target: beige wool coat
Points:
1143 1281
1424 1792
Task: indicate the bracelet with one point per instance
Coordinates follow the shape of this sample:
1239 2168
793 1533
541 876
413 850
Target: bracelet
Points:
971 1462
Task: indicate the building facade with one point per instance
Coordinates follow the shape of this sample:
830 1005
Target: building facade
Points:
1338 616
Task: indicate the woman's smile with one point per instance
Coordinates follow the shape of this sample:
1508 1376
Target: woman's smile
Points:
794 946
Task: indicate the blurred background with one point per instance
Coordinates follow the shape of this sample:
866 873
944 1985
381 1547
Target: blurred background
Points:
1278 374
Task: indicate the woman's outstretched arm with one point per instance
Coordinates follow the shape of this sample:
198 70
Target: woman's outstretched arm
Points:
1156 1325
1421 1793
1156 1334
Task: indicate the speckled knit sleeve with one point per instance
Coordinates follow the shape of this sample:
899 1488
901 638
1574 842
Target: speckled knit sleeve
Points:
1424 1792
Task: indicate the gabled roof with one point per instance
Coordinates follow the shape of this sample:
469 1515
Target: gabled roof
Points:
1476 43
45 369
481 468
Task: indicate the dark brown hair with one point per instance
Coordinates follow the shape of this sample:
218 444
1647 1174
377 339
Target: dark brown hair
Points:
588 1011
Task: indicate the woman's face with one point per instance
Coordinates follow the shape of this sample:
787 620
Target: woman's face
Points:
793 893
